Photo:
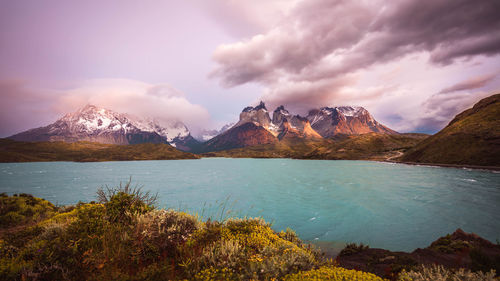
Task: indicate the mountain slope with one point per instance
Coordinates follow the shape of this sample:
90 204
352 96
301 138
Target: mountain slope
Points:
94 124
15 151
471 138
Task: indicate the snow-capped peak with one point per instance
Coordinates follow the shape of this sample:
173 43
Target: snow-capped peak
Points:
351 111
96 120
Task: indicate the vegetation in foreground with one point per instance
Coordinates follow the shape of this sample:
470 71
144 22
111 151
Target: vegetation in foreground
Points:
16 151
123 237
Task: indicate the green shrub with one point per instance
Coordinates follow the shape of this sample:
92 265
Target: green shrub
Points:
448 245
159 233
124 202
23 209
353 248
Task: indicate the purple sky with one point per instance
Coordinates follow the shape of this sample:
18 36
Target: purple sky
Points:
412 64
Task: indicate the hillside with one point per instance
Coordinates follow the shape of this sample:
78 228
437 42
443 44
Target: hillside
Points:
373 146
14 151
471 138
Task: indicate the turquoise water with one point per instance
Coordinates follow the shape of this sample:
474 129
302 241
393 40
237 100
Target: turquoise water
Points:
392 206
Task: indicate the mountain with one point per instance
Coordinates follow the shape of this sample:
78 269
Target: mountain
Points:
246 134
348 120
255 127
471 138
95 124
257 115
321 123
292 126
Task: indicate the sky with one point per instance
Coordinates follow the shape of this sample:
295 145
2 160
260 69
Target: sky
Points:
413 64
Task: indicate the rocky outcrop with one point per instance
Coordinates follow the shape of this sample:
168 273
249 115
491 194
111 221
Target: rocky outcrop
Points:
457 250
258 115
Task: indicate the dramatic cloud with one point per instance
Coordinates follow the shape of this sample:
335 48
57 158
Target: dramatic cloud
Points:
322 50
161 102
470 84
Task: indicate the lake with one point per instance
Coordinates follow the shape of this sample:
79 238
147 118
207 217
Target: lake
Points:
392 206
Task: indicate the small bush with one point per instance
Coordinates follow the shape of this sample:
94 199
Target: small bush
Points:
353 248
448 245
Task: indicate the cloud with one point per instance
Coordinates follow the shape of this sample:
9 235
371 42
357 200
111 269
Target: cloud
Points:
23 107
470 84
246 18
322 50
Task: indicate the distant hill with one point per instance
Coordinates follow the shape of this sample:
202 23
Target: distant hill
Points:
15 151
471 138
372 146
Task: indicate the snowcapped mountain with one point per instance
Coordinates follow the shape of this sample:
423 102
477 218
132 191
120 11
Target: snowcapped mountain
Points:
256 127
95 124
348 120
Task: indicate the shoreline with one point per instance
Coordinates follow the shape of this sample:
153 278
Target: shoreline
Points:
461 166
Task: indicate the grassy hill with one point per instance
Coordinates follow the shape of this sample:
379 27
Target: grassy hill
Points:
372 146
14 151
471 138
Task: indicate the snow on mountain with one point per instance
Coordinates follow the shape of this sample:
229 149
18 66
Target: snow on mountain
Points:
92 123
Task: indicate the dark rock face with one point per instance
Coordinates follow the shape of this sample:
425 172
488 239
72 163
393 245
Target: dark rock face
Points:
331 121
279 114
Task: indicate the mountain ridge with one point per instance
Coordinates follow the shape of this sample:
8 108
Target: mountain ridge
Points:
325 122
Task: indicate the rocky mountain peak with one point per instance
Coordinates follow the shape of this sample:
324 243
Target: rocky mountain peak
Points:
257 115
261 105
279 114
